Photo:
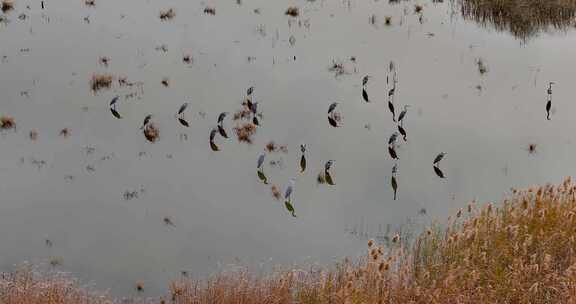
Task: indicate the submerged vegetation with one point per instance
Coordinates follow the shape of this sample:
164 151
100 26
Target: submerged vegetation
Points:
522 251
522 18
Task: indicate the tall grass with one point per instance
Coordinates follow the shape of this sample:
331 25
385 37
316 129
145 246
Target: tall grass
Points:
522 18
522 251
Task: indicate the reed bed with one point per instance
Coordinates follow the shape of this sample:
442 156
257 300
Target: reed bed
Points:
522 18
519 251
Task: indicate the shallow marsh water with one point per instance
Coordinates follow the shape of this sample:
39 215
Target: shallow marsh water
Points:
222 214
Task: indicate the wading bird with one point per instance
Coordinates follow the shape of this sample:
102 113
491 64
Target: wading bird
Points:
392 138
260 161
394 184
182 108
438 158
221 117
365 80
332 107
303 158
289 189
403 114
328 165
548 107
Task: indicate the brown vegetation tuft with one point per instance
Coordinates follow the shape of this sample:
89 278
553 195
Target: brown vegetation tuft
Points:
100 81
522 18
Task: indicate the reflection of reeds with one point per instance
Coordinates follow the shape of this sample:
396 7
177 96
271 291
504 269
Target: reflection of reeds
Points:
522 18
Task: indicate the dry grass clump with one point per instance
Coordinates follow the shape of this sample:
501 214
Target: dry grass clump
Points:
151 132
29 286
100 81
7 5
167 14
292 11
245 131
7 123
210 11
522 18
522 252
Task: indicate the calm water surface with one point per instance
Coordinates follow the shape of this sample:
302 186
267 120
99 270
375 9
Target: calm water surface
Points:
221 211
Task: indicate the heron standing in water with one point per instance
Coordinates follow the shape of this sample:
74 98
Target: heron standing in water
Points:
403 114
549 103
332 107
260 161
438 158
290 189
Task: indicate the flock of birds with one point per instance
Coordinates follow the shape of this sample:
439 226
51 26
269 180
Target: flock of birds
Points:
334 119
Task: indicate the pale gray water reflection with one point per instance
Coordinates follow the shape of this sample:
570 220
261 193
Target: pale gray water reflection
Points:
118 209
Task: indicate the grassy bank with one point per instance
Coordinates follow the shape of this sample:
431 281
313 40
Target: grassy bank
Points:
521 250
523 18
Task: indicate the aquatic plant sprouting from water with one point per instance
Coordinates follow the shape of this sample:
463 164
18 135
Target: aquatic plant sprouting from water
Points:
523 18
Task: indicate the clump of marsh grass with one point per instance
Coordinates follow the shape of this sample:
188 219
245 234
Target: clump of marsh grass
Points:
210 11
167 14
100 81
522 18
151 132
7 123
28 285
292 11
7 5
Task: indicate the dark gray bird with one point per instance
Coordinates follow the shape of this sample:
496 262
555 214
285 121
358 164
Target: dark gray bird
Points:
182 108
213 133
392 91
221 117
114 101
365 80
260 161
332 107
548 107
290 189
146 121
403 113
438 158
328 165
392 138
